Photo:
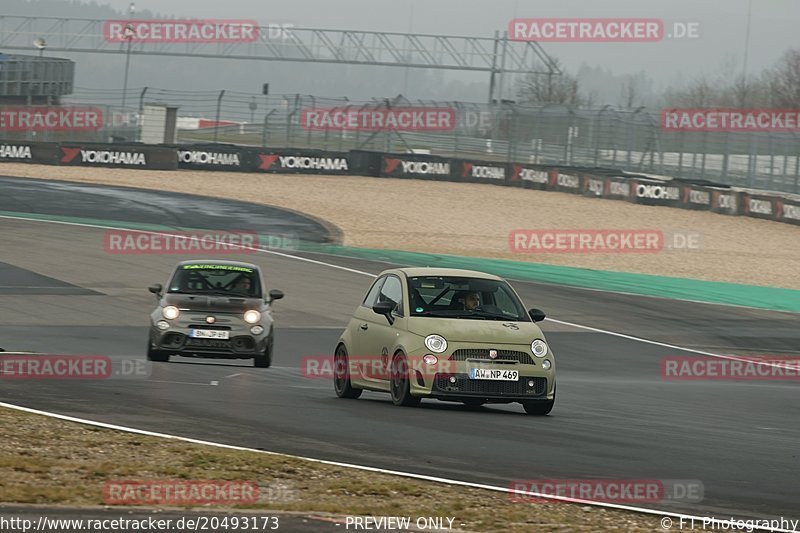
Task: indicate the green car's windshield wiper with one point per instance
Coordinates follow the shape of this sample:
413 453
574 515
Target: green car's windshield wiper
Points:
497 315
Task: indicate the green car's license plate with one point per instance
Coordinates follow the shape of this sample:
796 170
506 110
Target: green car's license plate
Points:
496 375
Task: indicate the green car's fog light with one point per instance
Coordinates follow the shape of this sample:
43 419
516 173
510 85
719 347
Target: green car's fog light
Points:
546 364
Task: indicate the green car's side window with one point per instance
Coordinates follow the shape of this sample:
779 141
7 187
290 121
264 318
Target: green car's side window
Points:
372 295
392 291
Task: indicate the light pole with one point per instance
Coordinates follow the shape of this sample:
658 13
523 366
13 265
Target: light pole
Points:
40 44
128 35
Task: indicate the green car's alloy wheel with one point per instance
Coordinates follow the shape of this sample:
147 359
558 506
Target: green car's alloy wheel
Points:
156 355
540 407
265 360
341 375
401 394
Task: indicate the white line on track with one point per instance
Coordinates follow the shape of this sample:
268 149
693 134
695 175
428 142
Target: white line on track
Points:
422 477
360 467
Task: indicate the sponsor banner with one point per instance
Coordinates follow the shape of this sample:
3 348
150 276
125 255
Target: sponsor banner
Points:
594 186
586 30
181 31
696 197
760 206
530 177
302 162
731 120
559 181
211 158
788 211
620 188
119 155
411 166
656 192
482 171
27 152
726 201
378 119
30 118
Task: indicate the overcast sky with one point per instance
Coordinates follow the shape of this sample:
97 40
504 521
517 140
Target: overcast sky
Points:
774 26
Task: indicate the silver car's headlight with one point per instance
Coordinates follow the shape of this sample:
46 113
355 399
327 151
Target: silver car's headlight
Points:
436 343
170 312
539 348
252 316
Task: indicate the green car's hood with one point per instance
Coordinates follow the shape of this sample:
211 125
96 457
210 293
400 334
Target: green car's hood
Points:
482 331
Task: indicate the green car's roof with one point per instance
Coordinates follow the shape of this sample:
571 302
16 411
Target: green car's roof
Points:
457 272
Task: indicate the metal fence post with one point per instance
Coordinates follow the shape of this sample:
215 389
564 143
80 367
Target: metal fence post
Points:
219 110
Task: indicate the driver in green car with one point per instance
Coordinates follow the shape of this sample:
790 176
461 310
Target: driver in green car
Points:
471 301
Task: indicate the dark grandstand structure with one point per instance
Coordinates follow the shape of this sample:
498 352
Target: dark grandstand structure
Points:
34 80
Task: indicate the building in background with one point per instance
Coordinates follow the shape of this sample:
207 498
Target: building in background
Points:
35 80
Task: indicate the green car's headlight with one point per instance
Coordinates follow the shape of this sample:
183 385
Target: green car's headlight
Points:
539 348
170 312
436 343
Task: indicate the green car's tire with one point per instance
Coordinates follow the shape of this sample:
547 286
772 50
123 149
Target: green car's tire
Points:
400 387
540 407
158 356
341 375
264 360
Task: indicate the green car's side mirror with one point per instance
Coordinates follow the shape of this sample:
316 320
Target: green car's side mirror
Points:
537 315
385 309
156 289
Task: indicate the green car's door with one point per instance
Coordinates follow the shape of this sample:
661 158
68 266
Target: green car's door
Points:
380 337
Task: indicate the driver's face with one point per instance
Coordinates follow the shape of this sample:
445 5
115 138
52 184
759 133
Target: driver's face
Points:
243 283
472 301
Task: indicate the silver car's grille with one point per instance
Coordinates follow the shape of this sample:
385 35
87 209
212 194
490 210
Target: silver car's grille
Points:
483 353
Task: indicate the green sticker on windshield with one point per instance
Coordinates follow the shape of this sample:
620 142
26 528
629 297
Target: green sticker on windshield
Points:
419 310
217 267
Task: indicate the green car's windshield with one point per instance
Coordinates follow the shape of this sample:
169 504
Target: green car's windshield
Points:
462 297
216 280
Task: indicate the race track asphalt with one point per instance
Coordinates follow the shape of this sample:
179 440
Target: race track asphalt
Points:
615 416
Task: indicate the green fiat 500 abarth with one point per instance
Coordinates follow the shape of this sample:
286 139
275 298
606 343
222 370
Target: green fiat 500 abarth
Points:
453 335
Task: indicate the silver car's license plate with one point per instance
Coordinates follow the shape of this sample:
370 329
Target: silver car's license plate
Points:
494 375
209 334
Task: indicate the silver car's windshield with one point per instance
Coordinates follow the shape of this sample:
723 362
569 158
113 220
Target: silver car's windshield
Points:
216 280
462 297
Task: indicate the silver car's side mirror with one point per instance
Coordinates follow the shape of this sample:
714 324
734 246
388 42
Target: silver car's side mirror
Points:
156 289
274 294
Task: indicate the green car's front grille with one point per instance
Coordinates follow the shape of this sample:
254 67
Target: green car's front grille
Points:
483 353
463 384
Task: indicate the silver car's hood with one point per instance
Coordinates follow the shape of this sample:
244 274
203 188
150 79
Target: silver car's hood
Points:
219 304
478 331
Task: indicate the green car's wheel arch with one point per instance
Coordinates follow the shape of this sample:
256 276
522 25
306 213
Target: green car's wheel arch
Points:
400 386
540 407
341 375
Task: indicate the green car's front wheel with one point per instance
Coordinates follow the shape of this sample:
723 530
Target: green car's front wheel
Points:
400 387
539 407
341 375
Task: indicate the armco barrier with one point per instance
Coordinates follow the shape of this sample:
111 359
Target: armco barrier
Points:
29 152
299 161
213 157
600 183
119 155
416 166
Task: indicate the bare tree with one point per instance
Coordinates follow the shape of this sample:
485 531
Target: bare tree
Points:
784 80
629 93
550 89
